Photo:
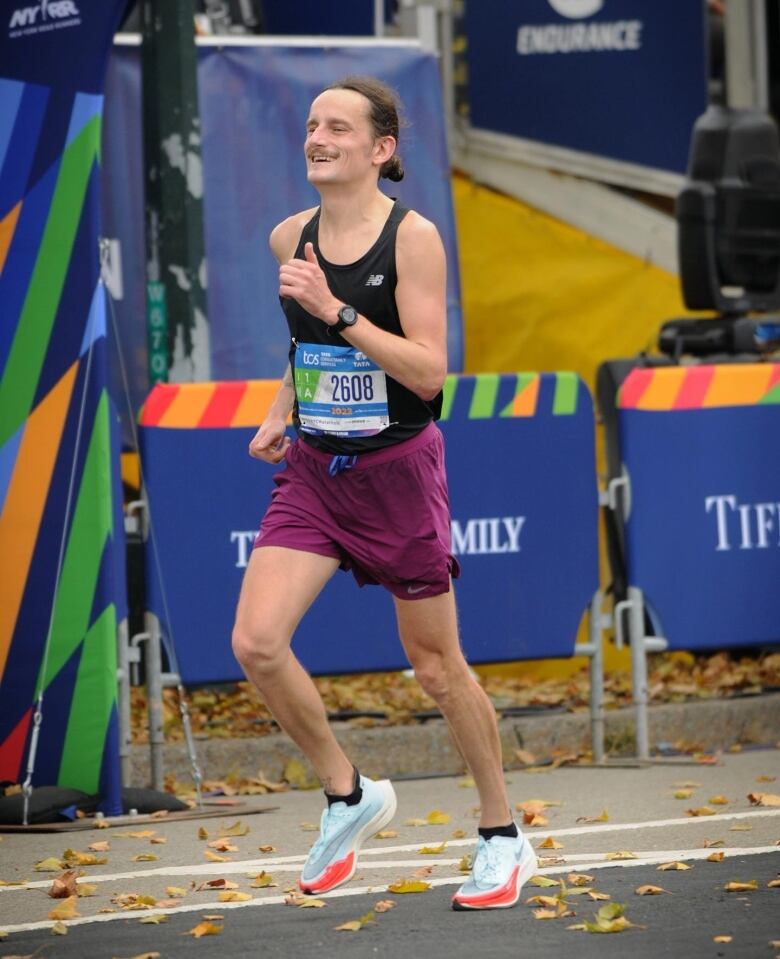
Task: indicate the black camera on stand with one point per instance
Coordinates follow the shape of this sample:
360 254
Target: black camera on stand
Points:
728 217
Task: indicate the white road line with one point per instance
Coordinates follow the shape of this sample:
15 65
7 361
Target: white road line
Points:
229 868
651 859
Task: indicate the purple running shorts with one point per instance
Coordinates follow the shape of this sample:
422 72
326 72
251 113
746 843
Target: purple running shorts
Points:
386 518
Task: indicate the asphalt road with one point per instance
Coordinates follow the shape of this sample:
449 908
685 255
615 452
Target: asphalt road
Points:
643 818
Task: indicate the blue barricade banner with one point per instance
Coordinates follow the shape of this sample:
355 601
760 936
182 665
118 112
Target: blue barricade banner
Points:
254 101
520 461
703 532
623 79
62 586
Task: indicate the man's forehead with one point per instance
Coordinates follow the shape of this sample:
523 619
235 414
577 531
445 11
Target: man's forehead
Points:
344 104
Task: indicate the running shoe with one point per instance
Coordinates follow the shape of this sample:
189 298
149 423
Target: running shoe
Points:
343 829
501 866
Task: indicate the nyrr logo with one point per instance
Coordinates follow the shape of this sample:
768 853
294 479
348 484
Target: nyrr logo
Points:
576 9
45 12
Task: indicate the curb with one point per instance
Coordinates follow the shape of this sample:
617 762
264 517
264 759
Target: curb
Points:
427 749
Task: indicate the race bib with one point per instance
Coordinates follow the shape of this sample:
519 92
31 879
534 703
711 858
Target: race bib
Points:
340 391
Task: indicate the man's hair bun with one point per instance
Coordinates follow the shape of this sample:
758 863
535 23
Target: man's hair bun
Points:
393 169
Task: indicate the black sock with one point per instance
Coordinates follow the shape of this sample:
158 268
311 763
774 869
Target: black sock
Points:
510 831
353 798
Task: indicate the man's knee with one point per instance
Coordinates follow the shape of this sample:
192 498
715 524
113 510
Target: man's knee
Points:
260 653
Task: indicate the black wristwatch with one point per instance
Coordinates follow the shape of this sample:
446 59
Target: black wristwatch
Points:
347 316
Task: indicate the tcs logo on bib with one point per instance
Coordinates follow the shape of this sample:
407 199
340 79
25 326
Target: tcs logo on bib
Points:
576 9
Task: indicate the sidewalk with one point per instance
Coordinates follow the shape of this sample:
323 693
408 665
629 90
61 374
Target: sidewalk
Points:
427 749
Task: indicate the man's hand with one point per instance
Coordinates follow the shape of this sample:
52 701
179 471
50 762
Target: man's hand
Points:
270 443
304 281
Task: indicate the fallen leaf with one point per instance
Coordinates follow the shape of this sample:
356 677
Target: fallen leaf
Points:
700 811
579 879
310 827
232 896
386 834
222 845
465 864
668 866
764 799
213 857
683 794
545 913
141 834
235 830
217 884
741 827
145 857
59 929
354 925
774 883
86 889
741 886
437 818
384 905
550 843
432 850
543 881
423 872
620 854
535 819
547 901
64 885
167 903
409 885
597 896
649 890
52 864
309 903
716 856
66 909
154 920
722 938
296 775
205 929
158 840
102 846
466 783
686 784
458 834
709 843
766 779
176 892
604 817
202 833
718 801
76 857
263 880
146 955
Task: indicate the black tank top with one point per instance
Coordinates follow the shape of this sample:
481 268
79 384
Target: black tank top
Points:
368 285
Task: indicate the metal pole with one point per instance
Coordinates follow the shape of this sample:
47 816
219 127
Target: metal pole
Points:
636 632
123 697
379 18
154 699
595 624
747 68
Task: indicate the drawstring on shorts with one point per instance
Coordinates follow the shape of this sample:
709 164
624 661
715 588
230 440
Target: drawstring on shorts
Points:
340 463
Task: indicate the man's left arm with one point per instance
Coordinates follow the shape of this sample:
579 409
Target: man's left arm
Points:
417 360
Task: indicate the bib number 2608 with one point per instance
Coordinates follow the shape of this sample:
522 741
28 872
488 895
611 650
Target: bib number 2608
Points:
352 389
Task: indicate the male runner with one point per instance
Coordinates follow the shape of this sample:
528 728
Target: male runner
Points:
362 285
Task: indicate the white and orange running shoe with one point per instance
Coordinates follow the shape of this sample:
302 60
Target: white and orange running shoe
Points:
343 830
501 866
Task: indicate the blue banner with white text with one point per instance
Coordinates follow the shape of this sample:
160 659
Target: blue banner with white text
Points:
621 79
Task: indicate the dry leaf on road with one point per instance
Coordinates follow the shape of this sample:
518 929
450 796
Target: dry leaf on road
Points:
205 929
409 885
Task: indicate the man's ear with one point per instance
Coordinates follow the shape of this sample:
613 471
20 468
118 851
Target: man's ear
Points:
384 148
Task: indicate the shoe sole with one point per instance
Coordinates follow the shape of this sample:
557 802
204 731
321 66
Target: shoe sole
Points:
380 820
525 870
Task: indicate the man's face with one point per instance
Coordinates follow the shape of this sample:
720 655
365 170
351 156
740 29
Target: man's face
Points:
340 146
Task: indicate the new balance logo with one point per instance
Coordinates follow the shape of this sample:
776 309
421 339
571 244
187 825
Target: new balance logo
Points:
375 279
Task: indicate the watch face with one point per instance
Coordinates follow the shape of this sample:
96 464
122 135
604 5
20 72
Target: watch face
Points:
348 315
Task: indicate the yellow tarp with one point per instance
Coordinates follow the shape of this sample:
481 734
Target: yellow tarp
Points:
541 295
